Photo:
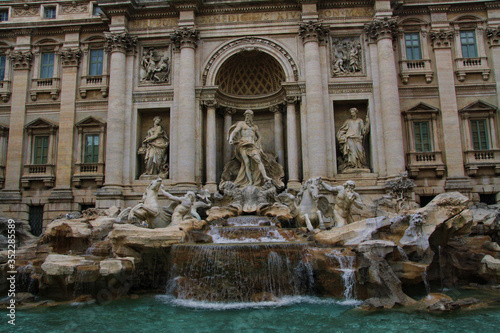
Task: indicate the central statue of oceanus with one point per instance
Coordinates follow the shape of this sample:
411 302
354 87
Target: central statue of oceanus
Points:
250 165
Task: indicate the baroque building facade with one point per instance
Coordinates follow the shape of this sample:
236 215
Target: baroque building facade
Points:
88 87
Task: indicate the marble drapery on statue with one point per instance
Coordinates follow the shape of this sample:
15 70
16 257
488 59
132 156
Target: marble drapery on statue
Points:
250 165
154 148
350 137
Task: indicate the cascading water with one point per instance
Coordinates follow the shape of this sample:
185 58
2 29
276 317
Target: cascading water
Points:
347 267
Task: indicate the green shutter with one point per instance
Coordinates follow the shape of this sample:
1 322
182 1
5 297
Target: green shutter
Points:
422 136
96 60
47 68
412 42
41 150
479 134
91 154
468 41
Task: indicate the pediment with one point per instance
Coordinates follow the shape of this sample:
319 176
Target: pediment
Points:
41 123
423 108
479 106
90 122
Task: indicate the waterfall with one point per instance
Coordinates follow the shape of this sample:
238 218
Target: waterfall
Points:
426 282
441 274
347 267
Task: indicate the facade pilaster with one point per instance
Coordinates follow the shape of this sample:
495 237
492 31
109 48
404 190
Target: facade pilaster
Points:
442 45
292 143
383 31
118 45
211 147
228 122
311 33
21 64
186 40
493 35
278 133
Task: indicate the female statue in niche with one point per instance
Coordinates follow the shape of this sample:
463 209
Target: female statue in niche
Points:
350 137
154 148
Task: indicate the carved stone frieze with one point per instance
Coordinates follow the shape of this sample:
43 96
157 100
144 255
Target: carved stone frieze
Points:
342 88
120 42
382 28
26 10
156 65
313 31
70 57
185 37
147 97
252 41
346 57
441 38
73 8
21 60
493 35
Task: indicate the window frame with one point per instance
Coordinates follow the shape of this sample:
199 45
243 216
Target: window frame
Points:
7 11
3 68
413 47
50 66
467 46
420 144
45 10
40 143
94 155
91 62
479 144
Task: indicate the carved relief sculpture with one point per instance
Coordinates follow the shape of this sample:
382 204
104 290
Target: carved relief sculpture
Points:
346 198
251 164
350 137
154 148
346 56
155 66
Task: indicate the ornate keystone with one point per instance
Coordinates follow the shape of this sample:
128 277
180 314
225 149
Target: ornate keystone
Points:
21 60
120 42
313 32
382 28
441 39
185 37
70 57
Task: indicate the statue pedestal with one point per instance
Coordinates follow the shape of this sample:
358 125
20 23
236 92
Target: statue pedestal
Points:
356 171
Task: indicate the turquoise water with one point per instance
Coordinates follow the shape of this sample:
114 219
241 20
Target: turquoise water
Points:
295 314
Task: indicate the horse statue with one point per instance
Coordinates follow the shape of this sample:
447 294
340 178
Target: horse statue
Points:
309 207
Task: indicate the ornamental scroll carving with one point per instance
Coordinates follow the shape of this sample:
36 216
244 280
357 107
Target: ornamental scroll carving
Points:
26 10
441 38
70 57
120 42
346 57
381 28
21 60
155 65
73 8
185 37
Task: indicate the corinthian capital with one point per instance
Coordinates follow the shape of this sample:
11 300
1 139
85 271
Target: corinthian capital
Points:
382 28
441 38
70 57
185 37
120 42
493 35
21 60
313 32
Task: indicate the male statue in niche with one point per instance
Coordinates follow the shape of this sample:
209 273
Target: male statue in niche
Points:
154 148
250 164
350 137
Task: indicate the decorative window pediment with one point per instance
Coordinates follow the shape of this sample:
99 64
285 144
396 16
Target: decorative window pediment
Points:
95 66
422 144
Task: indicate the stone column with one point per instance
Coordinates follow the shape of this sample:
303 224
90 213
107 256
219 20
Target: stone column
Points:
278 133
311 33
493 35
383 31
62 192
211 147
186 40
21 63
118 45
228 122
442 44
292 143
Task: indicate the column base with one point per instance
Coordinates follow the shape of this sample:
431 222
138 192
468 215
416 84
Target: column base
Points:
211 187
458 184
186 186
294 184
107 197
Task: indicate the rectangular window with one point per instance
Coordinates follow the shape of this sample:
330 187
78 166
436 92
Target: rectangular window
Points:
4 15
41 149
468 41
96 60
2 67
422 136
479 134
47 69
49 12
91 148
412 42
36 219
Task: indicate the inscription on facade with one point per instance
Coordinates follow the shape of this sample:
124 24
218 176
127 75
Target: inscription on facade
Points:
154 23
346 12
249 17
